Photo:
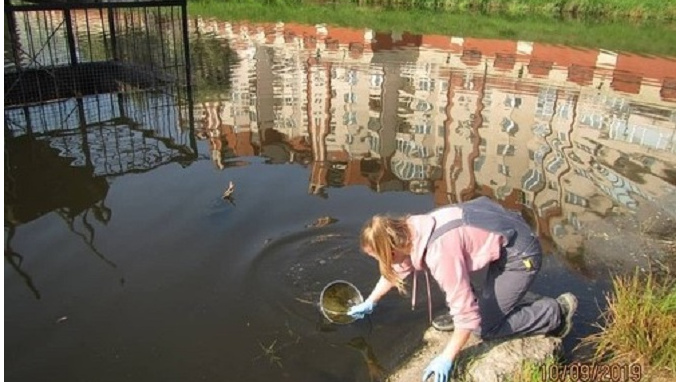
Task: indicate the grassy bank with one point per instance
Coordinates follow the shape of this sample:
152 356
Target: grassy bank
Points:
660 10
656 10
639 325
635 339
642 38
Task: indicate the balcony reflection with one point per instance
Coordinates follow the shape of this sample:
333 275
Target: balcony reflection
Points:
566 133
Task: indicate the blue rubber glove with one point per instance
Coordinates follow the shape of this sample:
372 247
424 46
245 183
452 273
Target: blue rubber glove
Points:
440 367
362 309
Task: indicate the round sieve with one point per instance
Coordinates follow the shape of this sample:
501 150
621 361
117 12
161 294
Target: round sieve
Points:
336 299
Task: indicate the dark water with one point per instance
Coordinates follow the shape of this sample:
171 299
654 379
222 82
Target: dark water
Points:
123 262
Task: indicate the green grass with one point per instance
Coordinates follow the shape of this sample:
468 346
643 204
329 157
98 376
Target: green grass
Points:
639 325
657 10
641 38
637 334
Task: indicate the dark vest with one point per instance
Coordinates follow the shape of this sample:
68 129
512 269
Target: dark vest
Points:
490 216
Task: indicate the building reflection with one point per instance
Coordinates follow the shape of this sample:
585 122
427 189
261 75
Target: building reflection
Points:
563 132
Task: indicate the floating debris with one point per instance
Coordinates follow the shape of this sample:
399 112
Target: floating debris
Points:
270 353
304 301
61 319
322 222
325 237
229 191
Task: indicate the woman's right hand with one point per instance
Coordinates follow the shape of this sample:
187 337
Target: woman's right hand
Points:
360 310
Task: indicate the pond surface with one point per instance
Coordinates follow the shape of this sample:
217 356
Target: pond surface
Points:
124 262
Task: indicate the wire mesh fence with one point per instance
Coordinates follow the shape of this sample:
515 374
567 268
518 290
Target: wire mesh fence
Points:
64 50
106 84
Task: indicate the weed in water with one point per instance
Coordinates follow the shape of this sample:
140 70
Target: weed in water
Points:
270 353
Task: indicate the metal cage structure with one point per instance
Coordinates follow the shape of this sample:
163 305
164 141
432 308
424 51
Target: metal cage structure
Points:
108 84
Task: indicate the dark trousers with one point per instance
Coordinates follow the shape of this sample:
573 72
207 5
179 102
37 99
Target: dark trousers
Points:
503 312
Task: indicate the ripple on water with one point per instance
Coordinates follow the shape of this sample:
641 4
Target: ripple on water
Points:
289 273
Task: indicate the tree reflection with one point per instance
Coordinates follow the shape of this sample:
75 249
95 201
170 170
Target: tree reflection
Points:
212 63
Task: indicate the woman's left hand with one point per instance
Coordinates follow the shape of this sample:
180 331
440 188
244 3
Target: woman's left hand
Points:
440 367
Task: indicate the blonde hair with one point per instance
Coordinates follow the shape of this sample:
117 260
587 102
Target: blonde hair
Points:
383 235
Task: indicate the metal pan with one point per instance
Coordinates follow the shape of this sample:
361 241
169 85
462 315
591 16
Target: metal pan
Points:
336 299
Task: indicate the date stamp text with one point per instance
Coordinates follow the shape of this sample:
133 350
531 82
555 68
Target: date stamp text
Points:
591 372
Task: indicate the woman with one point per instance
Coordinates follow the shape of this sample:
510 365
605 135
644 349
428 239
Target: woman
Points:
451 242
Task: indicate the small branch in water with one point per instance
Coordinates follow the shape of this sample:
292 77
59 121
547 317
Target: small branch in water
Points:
304 301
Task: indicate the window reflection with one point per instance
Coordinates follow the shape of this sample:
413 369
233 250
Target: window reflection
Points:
537 129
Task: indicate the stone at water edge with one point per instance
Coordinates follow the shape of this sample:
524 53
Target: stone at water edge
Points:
479 361
492 361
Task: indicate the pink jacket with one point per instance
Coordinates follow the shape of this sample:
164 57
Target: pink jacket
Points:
450 259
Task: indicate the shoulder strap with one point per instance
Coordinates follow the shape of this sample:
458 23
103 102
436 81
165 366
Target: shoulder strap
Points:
453 224
435 235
